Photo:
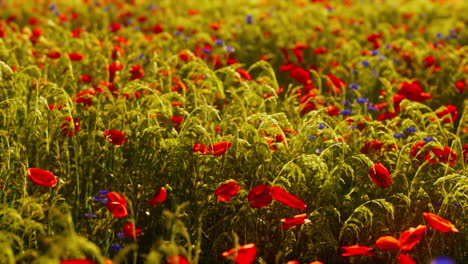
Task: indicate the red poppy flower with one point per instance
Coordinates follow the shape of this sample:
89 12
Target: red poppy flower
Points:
200 148
243 255
244 74
113 68
356 250
116 137
429 61
299 74
387 243
136 72
290 200
321 50
380 175
75 56
294 221
292 262
449 110
130 231
86 78
373 147
260 196
440 224
465 153
53 54
386 115
177 260
316 262
226 191
220 147
416 150
445 155
77 261
405 259
332 110
460 85
71 127
117 204
159 197
41 177
336 84
84 97
414 92
411 237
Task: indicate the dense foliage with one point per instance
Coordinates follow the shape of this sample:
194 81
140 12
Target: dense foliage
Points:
268 131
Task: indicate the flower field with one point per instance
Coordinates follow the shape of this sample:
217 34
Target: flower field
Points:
247 131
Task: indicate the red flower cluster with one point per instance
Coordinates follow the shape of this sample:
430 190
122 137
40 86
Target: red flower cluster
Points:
216 149
71 127
413 91
227 191
117 204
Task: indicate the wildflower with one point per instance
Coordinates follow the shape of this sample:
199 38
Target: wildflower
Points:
321 50
294 221
75 56
460 86
220 147
86 78
399 135
354 86
410 130
249 19
130 231
227 191
243 255
414 92
177 260
229 49
380 175
70 127
159 197
244 74
387 243
332 110
346 112
115 247
116 137
300 74
136 72
41 177
405 259
77 261
260 196
280 195
372 147
361 100
219 42
365 63
117 204
356 250
428 139
449 110
446 155
90 215
336 84
100 199
53 54
411 237
440 224
442 260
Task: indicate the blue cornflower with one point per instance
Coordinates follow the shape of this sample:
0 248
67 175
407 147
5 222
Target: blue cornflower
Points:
229 48
104 192
116 247
311 137
429 139
410 130
322 126
442 260
395 61
100 199
365 63
352 127
354 86
128 22
457 205
91 215
219 41
354 72
178 33
361 100
373 108
346 112
141 56
186 38
399 135
382 58
375 52
249 19
52 7
347 103
439 35
205 50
